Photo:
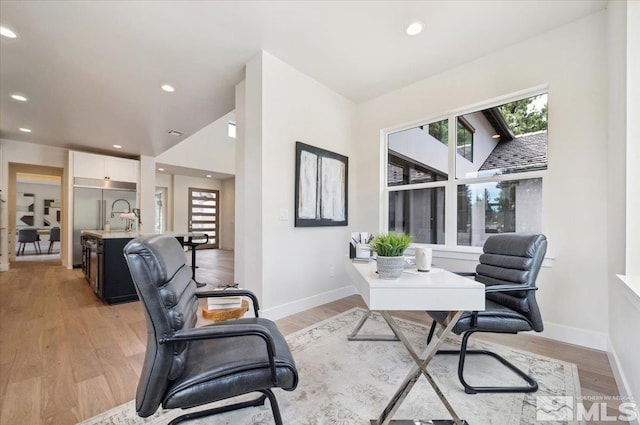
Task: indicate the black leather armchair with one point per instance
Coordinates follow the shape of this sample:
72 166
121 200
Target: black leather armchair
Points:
508 267
187 366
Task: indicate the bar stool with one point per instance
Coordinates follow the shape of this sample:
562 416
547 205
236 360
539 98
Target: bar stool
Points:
193 246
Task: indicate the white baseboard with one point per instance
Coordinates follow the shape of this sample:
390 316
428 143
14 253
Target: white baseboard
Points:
4 267
621 381
284 310
576 336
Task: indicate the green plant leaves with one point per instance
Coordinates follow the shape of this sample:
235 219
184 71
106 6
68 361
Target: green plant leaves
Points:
390 244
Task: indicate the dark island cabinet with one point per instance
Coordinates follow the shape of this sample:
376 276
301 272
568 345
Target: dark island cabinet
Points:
105 267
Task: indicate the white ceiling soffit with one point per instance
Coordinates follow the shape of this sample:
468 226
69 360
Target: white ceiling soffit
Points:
191 172
92 70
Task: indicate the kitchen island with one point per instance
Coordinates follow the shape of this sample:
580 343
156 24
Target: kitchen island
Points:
105 267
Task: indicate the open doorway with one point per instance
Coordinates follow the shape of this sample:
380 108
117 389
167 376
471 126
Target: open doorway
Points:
35 207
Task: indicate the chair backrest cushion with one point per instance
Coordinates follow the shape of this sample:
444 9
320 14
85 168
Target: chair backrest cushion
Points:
54 234
27 235
165 288
514 259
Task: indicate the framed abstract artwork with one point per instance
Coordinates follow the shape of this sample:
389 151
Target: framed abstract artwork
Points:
321 197
25 209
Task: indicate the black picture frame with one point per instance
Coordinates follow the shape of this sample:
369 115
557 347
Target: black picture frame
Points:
321 190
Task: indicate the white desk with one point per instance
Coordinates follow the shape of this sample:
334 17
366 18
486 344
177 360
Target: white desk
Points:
436 290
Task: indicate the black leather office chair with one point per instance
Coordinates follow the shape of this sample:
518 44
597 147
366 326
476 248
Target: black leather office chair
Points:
508 267
186 366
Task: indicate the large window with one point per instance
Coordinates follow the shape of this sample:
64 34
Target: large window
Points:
498 207
418 212
498 153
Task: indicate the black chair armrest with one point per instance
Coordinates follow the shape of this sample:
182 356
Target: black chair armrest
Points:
232 293
509 288
470 274
228 331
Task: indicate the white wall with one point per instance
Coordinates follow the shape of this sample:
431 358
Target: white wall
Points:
210 148
22 153
297 267
298 108
624 85
633 143
147 193
240 255
227 214
569 59
166 180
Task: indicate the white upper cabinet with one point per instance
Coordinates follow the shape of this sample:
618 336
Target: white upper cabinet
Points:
105 167
121 169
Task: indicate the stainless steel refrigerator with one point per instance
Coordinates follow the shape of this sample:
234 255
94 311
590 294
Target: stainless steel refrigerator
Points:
94 203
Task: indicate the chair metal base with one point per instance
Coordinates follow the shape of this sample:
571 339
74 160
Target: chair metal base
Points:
251 403
532 385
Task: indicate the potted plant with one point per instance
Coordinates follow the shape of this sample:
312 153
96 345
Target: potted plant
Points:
390 249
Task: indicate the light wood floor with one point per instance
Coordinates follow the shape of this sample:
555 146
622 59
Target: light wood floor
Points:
65 356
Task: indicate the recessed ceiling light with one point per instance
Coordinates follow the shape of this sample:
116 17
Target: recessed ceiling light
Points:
160 169
495 136
6 32
414 28
25 130
167 88
209 175
117 146
19 97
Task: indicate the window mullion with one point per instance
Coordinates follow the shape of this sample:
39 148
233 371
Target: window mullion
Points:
450 204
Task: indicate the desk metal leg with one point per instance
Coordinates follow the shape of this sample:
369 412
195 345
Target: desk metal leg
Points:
355 337
419 368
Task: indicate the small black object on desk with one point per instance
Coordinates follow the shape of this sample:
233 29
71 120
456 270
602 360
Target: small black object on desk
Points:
193 245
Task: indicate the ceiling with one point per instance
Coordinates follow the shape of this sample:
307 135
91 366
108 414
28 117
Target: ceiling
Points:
92 70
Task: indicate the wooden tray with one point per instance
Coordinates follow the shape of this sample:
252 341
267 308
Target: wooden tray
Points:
221 314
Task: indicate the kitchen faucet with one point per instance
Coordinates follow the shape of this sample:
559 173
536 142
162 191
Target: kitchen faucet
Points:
123 212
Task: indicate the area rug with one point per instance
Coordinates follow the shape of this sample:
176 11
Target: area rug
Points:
344 383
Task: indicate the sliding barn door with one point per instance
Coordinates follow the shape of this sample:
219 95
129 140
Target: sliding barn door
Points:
203 214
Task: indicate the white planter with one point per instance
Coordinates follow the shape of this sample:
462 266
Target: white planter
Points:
390 267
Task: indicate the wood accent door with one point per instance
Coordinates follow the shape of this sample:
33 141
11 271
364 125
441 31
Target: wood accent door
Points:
204 205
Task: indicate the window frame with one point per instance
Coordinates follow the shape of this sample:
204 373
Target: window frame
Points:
452 182
462 121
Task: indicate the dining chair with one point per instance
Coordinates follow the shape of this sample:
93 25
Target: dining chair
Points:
26 236
54 236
